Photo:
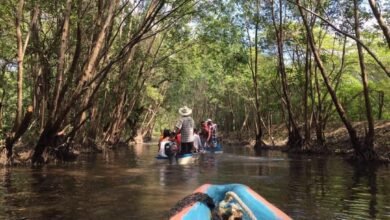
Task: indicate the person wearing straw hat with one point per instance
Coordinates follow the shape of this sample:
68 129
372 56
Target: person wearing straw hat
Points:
186 127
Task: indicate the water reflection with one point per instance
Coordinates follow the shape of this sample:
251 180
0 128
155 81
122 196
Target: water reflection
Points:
129 184
5 188
361 192
6 177
331 188
138 149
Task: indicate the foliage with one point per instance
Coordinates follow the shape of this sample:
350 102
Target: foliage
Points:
194 53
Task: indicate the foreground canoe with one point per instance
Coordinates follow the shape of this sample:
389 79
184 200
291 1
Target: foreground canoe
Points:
181 159
253 205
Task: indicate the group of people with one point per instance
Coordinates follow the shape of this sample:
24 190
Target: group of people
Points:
185 138
208 133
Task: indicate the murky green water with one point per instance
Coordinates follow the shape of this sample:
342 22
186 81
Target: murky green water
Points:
128 184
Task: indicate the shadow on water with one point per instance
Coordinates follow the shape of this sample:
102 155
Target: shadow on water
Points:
128 184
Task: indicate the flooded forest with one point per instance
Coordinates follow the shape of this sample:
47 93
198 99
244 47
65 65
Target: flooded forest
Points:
85 76
296 87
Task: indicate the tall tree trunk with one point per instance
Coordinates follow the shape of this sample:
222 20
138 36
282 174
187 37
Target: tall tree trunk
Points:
381 103
52 127
232 118
11 138
20 57
306 97
90 67
20 127
112 133
382 66
340 110
381 22
294 137
254 70
1 110
42 76
369 142
319 121
246 117
61 57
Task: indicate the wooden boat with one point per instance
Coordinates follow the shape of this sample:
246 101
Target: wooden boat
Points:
181 159
250 204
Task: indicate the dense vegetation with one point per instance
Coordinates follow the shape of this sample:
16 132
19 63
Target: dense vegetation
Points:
90 74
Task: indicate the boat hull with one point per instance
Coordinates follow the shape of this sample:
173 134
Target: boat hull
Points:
181 159
217 149
259 207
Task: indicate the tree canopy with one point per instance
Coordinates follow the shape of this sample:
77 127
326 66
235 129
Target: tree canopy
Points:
92 74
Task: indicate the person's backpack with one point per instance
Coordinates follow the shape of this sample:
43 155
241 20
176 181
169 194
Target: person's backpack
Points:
170 148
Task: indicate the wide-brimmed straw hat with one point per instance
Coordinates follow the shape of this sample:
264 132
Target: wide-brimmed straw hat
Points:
185 111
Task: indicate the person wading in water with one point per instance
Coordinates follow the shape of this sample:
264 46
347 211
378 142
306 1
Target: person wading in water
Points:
186 127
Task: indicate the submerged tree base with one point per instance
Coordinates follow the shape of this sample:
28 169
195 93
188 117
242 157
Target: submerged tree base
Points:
24 156
337 142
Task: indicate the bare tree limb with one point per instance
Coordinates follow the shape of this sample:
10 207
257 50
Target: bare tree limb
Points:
346 34
381 22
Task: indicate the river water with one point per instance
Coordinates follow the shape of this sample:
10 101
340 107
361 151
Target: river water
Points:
128 184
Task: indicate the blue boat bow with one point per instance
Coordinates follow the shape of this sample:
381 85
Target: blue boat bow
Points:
253 205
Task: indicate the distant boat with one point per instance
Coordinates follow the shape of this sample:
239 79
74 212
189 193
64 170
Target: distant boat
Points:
229 201
181 159
167 151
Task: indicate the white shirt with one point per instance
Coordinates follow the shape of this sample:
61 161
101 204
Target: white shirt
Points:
161 152
197 142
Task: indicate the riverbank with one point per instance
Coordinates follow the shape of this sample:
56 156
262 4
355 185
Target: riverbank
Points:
336 136
275 138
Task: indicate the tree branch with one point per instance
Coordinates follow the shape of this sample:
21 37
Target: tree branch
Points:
346 34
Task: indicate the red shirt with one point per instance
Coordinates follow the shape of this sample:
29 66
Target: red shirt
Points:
178 139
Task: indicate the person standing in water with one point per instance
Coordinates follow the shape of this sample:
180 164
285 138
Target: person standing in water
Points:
197 142
164 140
186 128
204 133
212 138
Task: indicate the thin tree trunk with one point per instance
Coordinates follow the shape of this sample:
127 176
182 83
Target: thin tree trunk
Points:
90 67
232 117
295 139
14 136
20 126
21 50
42 74
383 67
244 123
61 56
270 130
53 125
381 22
319 113
370 135
381 103
259 131
305 97
1 110
336 80
20 57
352 132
